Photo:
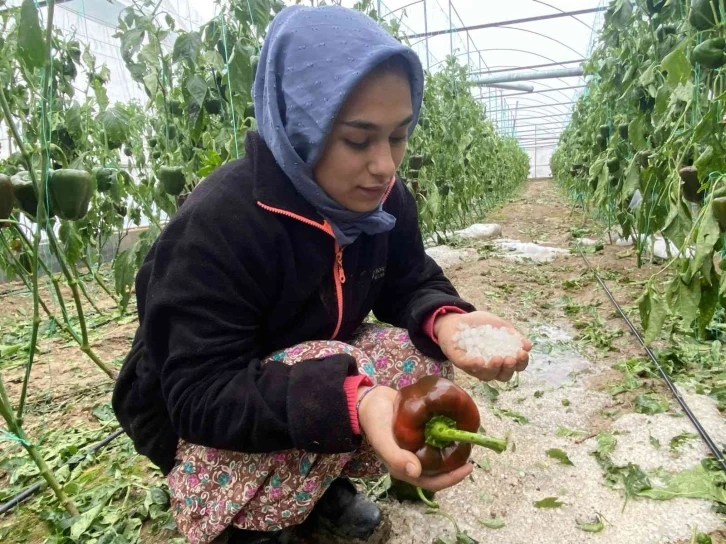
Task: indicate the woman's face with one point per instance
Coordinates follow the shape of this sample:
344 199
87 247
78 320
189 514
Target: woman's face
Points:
367 142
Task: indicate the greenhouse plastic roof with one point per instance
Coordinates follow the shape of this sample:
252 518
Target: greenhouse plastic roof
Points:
536 118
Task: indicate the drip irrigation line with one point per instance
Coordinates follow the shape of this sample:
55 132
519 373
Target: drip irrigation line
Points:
33 489
691 416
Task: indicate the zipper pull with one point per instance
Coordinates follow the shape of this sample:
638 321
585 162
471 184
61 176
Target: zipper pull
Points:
341 271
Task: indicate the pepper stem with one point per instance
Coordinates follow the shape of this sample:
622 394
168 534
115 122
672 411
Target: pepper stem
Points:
441 431
425 500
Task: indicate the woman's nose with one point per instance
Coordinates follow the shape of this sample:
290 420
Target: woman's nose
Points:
382 163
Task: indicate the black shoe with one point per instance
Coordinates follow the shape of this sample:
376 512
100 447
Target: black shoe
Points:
346 513
242 536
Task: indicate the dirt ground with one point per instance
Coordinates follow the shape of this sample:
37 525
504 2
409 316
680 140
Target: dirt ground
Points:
578 338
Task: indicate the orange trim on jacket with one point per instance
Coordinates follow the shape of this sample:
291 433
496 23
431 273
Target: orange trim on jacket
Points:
338 270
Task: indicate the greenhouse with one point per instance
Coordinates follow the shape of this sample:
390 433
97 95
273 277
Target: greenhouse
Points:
326 271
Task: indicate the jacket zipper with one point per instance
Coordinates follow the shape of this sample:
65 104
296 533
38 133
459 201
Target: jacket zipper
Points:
338 271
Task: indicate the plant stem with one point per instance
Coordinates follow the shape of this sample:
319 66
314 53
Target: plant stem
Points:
82 285
27 284
425 500
73 284
98 278
17 429
439 431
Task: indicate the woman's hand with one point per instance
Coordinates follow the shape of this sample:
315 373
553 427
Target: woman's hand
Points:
375 417
497 368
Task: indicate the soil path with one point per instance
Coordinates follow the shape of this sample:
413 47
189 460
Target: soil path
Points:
567 386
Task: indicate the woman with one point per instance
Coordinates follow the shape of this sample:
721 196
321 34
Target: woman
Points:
251 378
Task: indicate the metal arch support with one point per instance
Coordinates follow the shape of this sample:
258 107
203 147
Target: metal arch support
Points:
511 22
543 36
530 76
512 87
563 11
532 67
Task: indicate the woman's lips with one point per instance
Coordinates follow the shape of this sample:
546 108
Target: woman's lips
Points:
375 191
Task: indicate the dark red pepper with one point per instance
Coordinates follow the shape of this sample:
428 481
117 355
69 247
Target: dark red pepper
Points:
438 421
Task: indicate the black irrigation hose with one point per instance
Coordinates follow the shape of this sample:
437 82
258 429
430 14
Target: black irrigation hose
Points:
697 424
33 489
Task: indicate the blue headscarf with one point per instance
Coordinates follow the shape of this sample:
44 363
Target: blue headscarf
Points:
311 60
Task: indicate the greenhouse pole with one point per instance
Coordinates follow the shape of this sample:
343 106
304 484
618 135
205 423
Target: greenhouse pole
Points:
534 174
426 38
451 32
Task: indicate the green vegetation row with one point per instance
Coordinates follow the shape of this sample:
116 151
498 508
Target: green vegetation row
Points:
645 148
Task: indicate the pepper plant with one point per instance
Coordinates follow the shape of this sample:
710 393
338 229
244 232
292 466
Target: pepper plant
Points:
645 147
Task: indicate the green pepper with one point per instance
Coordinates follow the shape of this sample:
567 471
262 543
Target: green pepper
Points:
719 211
25 195
175 107
6 198
172 179
415 162
105 178
153 142
690 183
70 193
438 421
623 131
710 53
213 106
602 142
702 14
250 111
613 165
604 131
664 31
654 6
156 155
643 158
171 131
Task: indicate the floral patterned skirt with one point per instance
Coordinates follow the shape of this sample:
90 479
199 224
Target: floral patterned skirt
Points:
212 489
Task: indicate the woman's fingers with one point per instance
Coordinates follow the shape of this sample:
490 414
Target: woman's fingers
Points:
443 481
522 360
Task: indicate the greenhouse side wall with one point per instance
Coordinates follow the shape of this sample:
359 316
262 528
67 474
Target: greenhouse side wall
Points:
539 161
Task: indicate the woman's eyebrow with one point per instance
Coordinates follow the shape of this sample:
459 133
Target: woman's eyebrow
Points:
367 125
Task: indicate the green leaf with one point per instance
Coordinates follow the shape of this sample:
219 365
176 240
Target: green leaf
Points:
632 180
648 76
492 523
653 313
548 502
651 403
197 88
187 46
708 234
680 439
560 455
637 133
696 483
83 522
684 298
565 432
124 273
709 301
101 95
622 13
654 441
116 122
103 412
516 416
677 66
707 124
31 45
131 43
592 527
240 69
73 121
488 391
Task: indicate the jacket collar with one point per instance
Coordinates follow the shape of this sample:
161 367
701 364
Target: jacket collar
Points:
271 186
